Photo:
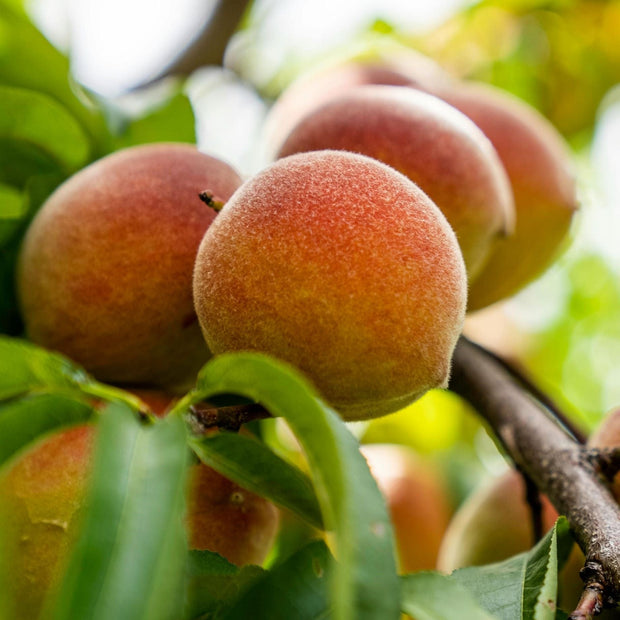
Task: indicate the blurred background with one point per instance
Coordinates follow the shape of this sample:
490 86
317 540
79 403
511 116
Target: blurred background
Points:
562 56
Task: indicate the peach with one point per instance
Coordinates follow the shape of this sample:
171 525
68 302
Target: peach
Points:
494 524
538 164
396 66
607 435
105 270
417 500
430 142
42 498
341 266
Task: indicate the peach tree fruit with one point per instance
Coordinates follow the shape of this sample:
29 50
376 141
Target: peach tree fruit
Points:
341 266
417 500
105 270
432 144
396 66
494 524
538 164
607 435
42 494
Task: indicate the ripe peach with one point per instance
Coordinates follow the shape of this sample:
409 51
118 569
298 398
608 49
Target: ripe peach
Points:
417 501
341 266
430 142
539 168
394 66
42 498
105 270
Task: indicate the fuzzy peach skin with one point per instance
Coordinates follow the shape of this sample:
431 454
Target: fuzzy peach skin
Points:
42 496
417 499
330 80
539 166
432 144
105 271
341 266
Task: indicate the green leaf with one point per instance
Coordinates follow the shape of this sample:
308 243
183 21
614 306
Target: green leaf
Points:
37 188
23 420
297 588
252 465
171 121
25 368
213 583
28 60
523 587
364 584
36 119
433 596
128 561
13 209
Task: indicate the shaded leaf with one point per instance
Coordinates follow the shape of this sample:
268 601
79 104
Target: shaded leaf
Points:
253 466
298 588
213 583
364 584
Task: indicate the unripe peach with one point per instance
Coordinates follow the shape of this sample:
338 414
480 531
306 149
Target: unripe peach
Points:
42 496
341 266
538 164
105 270
417 500
430 142
393 66
494 524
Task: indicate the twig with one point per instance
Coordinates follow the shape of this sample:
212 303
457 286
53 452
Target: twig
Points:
590 604
210 44
543 398
203 418
554 461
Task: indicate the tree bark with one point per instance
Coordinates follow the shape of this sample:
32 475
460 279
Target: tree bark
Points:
558 465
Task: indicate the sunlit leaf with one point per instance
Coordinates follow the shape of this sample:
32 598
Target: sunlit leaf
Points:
171 121
433 596
523 587
36 119
28 60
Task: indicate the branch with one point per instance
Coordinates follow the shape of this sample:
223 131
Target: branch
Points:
554 461
210 44
203 418
543 398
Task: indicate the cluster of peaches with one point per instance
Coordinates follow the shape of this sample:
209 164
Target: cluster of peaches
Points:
399 199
